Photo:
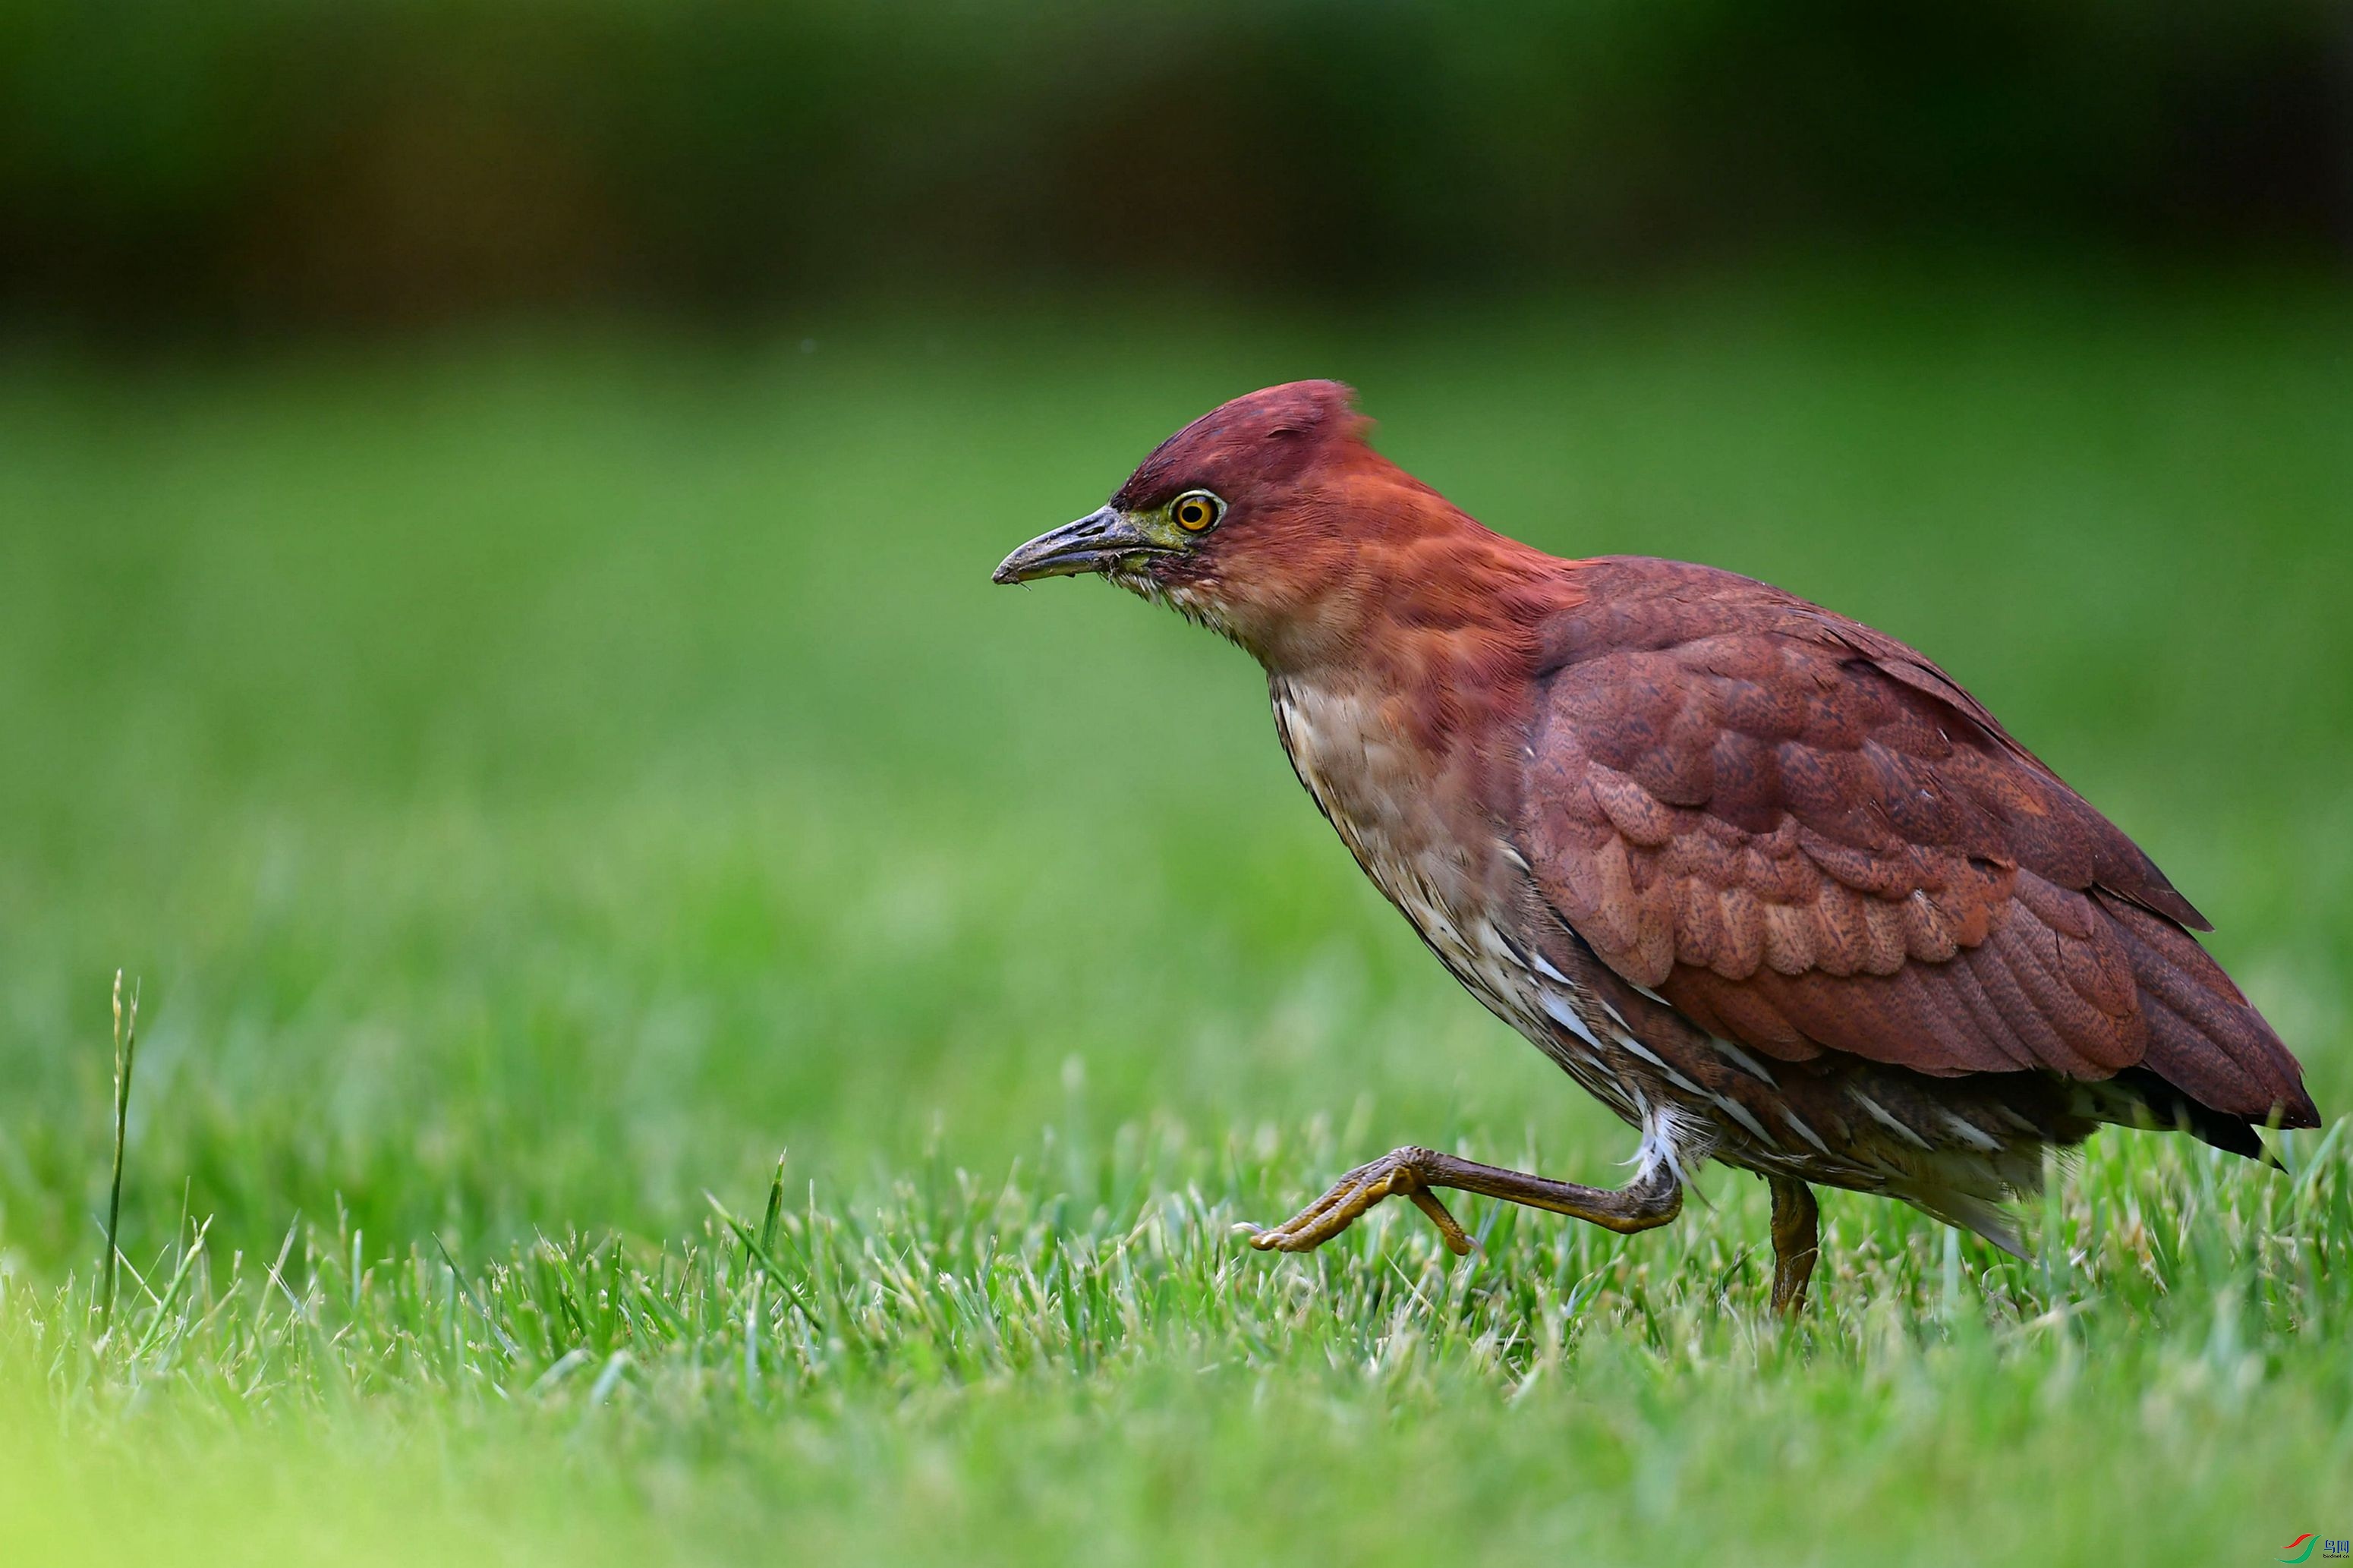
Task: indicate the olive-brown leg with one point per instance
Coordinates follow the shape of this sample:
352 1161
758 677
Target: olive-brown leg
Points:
1651 1199
1796 1243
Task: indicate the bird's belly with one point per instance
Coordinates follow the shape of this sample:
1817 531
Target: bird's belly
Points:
1453 924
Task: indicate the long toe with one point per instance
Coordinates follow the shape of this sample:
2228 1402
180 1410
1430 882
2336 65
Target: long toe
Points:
1349 1198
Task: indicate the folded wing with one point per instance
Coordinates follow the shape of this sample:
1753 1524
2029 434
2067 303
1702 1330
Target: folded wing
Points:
1807 838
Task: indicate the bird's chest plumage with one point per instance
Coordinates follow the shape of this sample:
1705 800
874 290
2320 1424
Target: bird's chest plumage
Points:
1408 818
1414 823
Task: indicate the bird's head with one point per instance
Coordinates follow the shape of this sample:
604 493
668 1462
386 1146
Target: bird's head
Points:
1250 520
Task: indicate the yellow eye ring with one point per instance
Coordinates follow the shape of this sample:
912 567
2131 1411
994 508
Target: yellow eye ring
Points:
1196 512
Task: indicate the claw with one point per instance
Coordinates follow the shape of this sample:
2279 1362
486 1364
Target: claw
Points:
1346 1201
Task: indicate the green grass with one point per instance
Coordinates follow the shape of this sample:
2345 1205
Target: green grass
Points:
540 779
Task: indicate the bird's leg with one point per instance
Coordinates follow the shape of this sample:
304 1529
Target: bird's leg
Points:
1652 1198
1795 1243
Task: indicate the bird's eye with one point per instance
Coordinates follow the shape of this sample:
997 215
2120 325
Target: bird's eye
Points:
1196 511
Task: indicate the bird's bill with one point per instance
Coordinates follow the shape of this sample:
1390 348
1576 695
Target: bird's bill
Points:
1099 539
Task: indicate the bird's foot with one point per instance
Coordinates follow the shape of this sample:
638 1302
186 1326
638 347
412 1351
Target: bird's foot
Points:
1399 1173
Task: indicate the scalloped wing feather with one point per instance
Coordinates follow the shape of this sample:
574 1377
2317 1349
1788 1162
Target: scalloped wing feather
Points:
1810 838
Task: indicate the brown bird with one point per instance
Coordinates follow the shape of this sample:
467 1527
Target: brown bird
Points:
1768 883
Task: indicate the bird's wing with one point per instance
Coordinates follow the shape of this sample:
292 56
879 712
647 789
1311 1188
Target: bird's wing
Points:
1807 837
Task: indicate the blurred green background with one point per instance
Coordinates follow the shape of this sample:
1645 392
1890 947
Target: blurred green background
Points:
248 164
496 505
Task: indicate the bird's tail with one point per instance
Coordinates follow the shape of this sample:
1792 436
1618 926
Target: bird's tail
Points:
2213 1067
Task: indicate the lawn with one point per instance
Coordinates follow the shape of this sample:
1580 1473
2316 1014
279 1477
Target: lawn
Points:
540 779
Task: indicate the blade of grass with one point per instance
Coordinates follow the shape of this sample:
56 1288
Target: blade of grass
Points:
514 1351
126 1045
760 1255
